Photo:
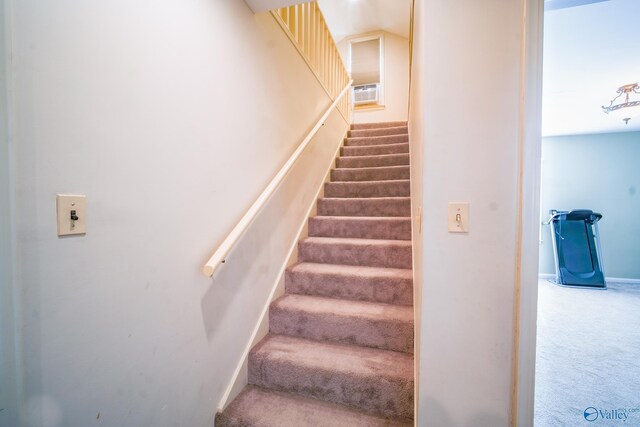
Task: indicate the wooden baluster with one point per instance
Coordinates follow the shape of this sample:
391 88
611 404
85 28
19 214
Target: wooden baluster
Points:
325 56
310 31
293 19
303 29
300 25
316 45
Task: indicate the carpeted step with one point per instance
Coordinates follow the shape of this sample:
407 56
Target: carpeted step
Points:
259 407
376 140
373 380
378 206
367 252
378 125
390 228
359 189
372 161
375 284
396 130
374 150
371 174
367 324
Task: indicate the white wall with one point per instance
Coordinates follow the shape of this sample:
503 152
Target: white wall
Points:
171 118
396 79
466 133
9 384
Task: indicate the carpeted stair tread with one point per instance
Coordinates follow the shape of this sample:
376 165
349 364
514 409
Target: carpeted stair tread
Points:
374 206
376 140
259 407
384 173
373 380
393 130
367 324
369 252
372 161
377 125
391 228
354 282
360 189
373 150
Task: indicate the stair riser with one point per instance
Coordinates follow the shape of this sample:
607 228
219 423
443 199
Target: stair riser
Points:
400 130
381 125
367 189
389 290
396 229
377 140
383 334
259 407
391 397
373 161
364 207
375 150
344 253
371 174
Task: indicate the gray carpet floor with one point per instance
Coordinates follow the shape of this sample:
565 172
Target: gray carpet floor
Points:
588 356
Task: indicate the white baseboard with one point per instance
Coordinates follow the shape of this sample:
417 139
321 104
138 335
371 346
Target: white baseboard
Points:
622 280
547 276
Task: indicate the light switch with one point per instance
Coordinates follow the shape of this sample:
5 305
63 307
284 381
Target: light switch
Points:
458 217
72 214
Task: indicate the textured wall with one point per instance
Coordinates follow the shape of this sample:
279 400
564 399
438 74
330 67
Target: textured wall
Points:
470 122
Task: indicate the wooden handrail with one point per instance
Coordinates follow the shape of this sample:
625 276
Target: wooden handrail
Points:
307 29
219 256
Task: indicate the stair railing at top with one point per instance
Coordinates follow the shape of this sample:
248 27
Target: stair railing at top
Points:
305 26
307 29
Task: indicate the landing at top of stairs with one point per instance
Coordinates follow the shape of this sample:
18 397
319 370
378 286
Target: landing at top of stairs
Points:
379 125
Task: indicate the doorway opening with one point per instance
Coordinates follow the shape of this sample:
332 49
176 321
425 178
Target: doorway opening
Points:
588 337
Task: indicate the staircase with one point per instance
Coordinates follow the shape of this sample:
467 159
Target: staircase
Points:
340 346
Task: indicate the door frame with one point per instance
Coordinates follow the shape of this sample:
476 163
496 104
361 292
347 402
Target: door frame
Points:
526 312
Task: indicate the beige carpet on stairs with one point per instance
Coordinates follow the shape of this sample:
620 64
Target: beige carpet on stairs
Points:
340 346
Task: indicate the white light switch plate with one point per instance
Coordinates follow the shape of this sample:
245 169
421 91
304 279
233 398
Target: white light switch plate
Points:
458 219
65 204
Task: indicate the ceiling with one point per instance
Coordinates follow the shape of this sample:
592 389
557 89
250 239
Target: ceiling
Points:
350 17
589 51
